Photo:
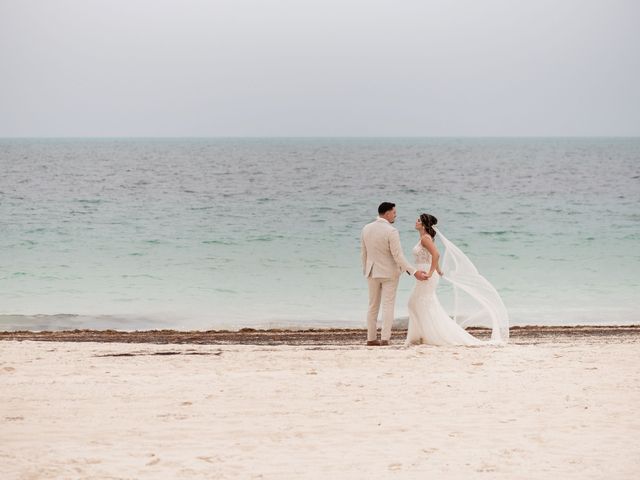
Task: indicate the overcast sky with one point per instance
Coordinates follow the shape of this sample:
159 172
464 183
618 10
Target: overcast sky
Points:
319 68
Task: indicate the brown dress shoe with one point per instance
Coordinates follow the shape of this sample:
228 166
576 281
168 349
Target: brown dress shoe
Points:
384 343
373 343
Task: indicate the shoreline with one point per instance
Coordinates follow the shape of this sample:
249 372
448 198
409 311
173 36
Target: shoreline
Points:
317 336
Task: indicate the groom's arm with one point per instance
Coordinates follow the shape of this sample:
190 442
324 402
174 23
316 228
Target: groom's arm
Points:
398 256
363 253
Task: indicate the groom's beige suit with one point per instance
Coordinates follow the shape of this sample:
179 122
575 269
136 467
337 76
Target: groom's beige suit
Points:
382 264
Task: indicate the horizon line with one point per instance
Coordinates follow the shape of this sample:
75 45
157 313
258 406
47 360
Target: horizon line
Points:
266 137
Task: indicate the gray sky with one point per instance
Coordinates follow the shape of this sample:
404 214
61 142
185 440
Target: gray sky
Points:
319 68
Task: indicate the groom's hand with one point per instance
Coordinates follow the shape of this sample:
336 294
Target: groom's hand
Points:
420 275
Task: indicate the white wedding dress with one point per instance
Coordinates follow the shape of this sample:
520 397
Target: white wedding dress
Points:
476 302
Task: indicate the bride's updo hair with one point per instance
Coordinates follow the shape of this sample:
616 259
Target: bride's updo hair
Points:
429 221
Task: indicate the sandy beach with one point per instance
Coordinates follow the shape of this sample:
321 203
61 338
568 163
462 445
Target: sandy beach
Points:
553 403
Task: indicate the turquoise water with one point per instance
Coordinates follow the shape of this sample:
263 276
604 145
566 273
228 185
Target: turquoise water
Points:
230 233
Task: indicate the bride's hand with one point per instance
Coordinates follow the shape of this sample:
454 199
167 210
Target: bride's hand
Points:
440 272
421 275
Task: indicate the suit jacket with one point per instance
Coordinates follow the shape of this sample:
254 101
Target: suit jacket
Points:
381 252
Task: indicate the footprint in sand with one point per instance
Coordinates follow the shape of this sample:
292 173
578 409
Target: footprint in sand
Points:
214 459
486 468
172 416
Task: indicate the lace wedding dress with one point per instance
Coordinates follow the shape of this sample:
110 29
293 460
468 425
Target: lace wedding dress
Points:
476 302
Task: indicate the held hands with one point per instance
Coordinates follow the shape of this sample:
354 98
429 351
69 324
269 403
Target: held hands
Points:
421 275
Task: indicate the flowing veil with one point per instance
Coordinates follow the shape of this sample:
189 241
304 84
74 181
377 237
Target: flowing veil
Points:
475 301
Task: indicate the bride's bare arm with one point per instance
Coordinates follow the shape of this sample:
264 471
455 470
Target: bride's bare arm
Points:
428 243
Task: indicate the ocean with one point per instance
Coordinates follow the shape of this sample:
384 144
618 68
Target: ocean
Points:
254 232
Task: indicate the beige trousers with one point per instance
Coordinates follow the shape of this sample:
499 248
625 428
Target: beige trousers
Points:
381 290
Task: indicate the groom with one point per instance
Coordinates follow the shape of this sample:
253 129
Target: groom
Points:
382 264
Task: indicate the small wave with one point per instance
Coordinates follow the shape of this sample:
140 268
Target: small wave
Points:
264 238
72 321
142 275
218 242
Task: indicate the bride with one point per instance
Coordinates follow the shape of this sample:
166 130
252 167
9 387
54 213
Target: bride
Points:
476 302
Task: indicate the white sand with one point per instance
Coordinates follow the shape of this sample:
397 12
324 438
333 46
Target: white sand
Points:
547 411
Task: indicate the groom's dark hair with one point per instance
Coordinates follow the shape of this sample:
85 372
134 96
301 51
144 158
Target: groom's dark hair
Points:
385 207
